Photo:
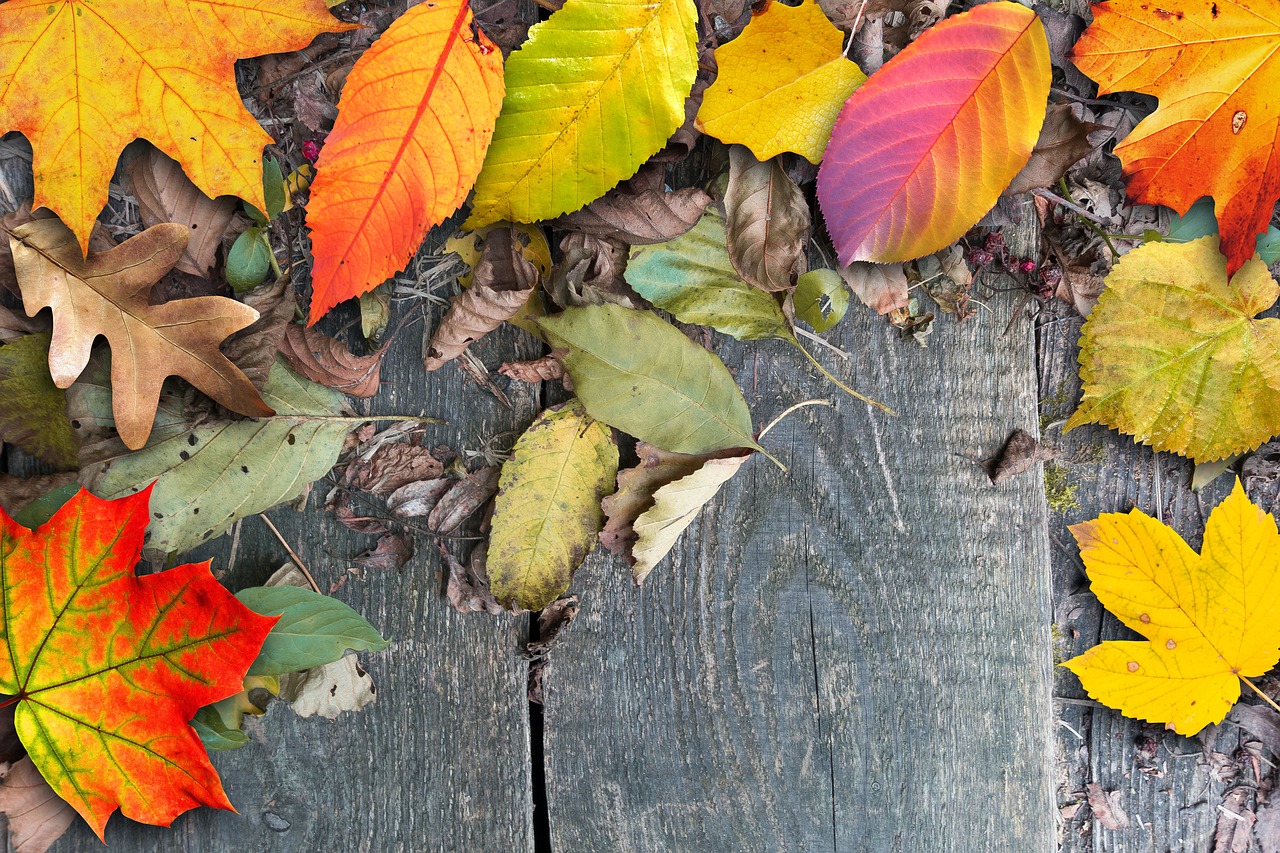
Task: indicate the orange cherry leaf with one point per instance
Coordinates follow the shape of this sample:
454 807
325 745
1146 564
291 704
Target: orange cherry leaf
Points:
414 123
105 669
925 147
1215 70
82 80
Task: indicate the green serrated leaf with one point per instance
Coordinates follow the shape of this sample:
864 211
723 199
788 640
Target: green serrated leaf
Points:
313 630
638 373
547 512
33 411
821 299
249 260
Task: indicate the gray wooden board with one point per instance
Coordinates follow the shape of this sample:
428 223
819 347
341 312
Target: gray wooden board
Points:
849 656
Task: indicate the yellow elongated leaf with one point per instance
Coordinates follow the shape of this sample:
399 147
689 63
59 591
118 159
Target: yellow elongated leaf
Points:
596 91
547 512
1210 619
1176 357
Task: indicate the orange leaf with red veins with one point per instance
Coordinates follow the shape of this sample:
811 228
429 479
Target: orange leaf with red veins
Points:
106 669
82 80
414 122
1215 70
924 148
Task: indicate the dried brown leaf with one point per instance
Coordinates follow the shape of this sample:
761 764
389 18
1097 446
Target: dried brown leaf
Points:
13 326
1063 142
414 500
766 221
254 349
1106 807
468 587
590 273
634 495
462 501
1018 456
37 816
328 361
390 554
391 467
165 194
1266 829
545 369
552 621
640 211
1235 822
1261 722
880 287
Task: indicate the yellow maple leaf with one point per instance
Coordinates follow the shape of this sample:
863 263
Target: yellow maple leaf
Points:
781 83
81 80
1212 620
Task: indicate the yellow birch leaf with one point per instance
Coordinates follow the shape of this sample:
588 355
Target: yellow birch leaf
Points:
781 83
1211 619
1177 357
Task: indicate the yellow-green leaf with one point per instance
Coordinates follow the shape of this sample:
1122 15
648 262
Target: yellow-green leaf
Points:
34 412
547 512
596 91
1175 356
1211 619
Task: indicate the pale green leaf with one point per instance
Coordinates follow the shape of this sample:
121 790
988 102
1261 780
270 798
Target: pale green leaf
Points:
821 299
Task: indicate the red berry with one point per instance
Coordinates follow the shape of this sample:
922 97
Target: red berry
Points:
311 150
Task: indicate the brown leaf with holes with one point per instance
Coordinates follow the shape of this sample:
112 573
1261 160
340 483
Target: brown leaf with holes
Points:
1063 142
501 285
545 369
107 294
37 817
640 211
330 362
165 194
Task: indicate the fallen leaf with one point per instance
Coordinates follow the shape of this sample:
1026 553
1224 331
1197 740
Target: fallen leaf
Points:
1019 455
18 495
1260 721
880 287
590 272
1235 822
165 194
773 100
37 816
467 590
1213 67
328 361
13 326
639 211
462 501
106 722
1174 355
418 499
81 83
209 475
634 494
1211 620
821 299
415 120
1106 808
34 414
254 348
545 369
311 630
390 553
392 466
766 220
946 278
329 690
924 148
547 512
1267 829
635 372
107 295
218 725
595 92
552 622
1063 142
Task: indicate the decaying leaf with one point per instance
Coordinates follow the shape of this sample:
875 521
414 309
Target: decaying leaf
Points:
468 586
640 211
634 495
545 369
590 272
1019 455
635 372
330 362
462 500
1210 619
781 83
1106 808
254 348
165 194
390 466
105 722
107 295
36 815
547 511
766 220
18 494
880 287
34 411
329 690
595 92
390 554
821 299
925 147
1064 141
552 622
1176 357
419 498
1260 721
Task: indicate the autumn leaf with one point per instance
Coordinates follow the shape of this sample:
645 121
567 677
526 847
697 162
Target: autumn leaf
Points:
1214 68
925 147
414 122
781 83
330 362
106 721
547 512
81 81
108 295
34 414
1063 142
37 817
1176 357
640 210
595 92
766 221
880 287
1211 619
165 194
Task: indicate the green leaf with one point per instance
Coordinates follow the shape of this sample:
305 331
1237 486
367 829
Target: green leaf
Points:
249 260
218 725
639 374
598 89
273 187
821 299
43 508
215 733
33 411
547 512
313 630
209 475
1200 221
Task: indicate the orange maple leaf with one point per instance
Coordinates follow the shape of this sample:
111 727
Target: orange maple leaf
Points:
81 80
1215 69
106 669
415 120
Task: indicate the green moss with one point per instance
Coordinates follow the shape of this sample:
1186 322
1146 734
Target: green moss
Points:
1052 406
1059 491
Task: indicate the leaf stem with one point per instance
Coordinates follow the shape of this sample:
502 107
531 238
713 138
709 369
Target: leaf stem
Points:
296 559
845 388
1265 697
773 423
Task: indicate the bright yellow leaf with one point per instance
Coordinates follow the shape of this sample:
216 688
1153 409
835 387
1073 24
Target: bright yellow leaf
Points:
82 80
1176 357
1210 619
781 83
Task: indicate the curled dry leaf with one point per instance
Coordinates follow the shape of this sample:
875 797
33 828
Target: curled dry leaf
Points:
165 194
468 587
419 498
590 273
463 500
1106 808
254 349
766 220
37 816
1018 456
880 287
1064 141
502 282
14 326
392 466
545 369
106 294
640 211
636 487
552 621
390 553
330 362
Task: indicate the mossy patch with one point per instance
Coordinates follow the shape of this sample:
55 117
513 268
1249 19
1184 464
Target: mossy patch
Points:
1059 491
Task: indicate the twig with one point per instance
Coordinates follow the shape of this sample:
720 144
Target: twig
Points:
1265 697
810 336
773 423
296 559
1071 206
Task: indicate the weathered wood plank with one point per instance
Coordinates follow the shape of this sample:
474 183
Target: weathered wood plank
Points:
849 656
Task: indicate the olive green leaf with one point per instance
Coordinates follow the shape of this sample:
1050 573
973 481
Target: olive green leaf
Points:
33 411
313 630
